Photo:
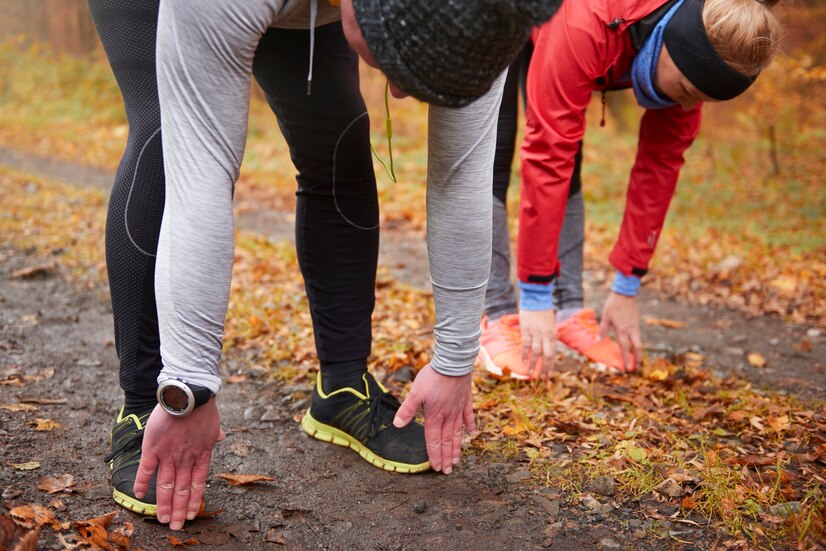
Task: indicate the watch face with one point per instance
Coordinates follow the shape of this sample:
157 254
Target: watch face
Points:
175 398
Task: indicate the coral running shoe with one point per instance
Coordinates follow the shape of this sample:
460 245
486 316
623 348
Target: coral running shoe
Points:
580 333
501 349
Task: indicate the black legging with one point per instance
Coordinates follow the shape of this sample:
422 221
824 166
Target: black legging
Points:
337 214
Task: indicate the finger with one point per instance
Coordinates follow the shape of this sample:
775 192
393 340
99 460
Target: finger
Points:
604 326
221 435
447 446
526 349
146 469
622 340
536 358
164 489
180 495
433 438
200 471
468 417
407 411
548 356
457 440
636 342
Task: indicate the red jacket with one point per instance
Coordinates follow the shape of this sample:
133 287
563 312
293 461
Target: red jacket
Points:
587 47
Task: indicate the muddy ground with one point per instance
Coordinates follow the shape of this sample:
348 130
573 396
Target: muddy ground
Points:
323 496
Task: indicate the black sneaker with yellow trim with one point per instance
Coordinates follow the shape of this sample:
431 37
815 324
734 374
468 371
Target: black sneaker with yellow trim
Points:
362 419
127 437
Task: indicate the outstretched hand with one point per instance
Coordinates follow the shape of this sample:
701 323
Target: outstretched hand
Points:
180 449
538 341
447 404
621 313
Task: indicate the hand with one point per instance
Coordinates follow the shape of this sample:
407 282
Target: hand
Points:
447 404
180 448
538 341
620 313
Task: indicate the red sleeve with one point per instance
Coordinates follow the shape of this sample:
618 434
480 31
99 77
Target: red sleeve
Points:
665 135
560 83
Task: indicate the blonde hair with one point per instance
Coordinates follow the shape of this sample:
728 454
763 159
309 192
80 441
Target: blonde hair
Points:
745 33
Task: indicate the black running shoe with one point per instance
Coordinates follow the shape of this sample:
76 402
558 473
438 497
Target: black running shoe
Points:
127 437
362 419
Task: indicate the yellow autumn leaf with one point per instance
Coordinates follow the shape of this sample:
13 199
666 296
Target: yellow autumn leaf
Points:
27 466
46 424
756 359
658 375
517 428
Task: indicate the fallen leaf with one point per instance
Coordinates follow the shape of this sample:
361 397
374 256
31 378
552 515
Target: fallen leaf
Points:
57 504
670 324
122 536
31 271
235 379
18 407
46 424
780 423
658 375
35 515
804 345
42 401
241 479
751 460
175 542
688 503
17 538
517 428
787 285
57 484
27 466
756 359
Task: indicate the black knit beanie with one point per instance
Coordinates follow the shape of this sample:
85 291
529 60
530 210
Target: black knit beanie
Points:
448 52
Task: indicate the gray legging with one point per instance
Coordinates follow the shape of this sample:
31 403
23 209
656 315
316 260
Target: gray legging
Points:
205 54
500 298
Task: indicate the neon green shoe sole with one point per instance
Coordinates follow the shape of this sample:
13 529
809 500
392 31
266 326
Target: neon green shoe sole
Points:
134 505
326 433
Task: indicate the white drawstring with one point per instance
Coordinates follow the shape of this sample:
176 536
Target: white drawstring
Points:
313 13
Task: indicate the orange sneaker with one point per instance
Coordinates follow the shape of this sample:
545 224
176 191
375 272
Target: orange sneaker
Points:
501 350
580 333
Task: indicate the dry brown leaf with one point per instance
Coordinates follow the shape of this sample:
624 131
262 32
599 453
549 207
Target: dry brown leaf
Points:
241 479
670 324
175 542
18 407
756 359
104 521
17 538
94 536
235 379
517 428
57 504
27 466
35 515
52 485
46 425
121 537
42 401
779 423
751 460
31 271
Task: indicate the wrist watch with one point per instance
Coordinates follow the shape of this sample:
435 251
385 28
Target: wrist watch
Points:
179 398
